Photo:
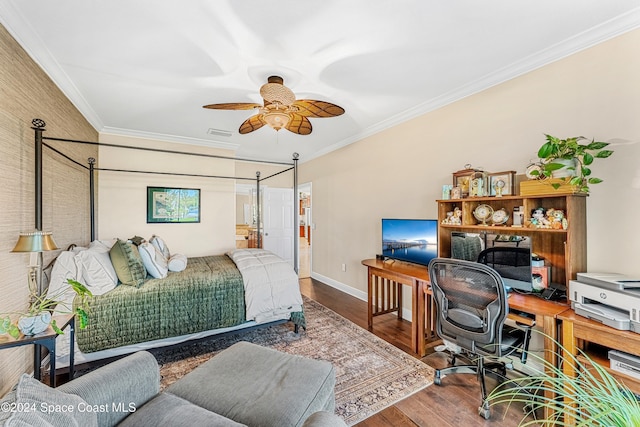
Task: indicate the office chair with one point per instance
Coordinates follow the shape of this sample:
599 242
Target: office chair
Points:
505 255
471 308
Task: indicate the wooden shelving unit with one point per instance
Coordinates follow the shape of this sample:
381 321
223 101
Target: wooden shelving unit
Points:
564 250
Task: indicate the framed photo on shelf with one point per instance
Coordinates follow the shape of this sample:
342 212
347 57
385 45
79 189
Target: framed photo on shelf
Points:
175 205
502 183
456 193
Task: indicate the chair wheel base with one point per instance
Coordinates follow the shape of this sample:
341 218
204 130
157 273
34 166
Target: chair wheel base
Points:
484 412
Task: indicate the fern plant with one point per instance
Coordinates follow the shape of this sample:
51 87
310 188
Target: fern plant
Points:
593 397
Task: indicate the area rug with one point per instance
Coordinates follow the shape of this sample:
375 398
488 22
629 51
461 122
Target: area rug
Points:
371 374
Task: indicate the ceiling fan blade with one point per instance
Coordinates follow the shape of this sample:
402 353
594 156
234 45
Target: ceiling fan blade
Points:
299 124
233 106
313 108
251 124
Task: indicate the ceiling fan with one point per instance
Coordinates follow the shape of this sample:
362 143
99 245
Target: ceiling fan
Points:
281 109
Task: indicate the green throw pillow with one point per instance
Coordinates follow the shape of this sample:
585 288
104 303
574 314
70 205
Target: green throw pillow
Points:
128 264
34 404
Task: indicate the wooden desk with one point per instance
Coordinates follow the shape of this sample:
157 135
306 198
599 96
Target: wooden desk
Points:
577 330
384 294
546 314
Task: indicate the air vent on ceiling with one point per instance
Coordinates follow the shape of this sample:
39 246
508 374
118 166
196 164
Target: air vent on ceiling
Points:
219 132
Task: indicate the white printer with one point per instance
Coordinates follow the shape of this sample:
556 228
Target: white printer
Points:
610 298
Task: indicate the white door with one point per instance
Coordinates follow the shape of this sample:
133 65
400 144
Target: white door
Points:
279 230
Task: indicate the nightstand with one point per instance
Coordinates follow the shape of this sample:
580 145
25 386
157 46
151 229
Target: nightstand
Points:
48 340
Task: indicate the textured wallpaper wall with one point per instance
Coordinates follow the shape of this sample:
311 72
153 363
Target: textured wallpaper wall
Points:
26 92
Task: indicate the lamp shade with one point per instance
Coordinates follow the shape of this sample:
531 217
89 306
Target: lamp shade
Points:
37 241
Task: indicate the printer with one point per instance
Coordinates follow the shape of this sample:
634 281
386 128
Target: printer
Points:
610 298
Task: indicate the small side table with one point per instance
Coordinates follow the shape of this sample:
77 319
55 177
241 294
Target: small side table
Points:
48 340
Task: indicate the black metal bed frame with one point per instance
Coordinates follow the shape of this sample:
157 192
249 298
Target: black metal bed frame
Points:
39 127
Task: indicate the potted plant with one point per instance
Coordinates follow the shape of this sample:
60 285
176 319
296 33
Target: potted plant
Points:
573 157
38 317
593 397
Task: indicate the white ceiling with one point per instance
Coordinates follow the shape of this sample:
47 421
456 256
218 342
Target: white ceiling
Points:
146 67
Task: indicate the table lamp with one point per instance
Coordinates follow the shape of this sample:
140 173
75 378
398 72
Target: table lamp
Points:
35 242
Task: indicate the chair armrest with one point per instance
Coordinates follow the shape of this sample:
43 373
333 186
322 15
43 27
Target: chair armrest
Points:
324 419
123 386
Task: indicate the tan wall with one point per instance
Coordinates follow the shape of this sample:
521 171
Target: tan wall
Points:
400 172
123 196
281 180
26 93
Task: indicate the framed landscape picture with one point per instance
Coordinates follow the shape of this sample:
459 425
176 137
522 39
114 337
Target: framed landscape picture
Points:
165 204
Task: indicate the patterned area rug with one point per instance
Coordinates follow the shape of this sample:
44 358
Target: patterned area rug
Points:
370 373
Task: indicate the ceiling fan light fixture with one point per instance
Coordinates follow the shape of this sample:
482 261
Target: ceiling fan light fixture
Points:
277 119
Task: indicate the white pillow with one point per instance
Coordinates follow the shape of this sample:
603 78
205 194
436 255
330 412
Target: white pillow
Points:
105 245
153 260
64 268
95 270
160 245
177 262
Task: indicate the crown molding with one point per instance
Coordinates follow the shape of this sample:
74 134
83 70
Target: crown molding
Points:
36 49
169 138
589 38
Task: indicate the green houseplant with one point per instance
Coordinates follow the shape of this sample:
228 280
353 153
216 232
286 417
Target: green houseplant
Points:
40 309
573 156
601 399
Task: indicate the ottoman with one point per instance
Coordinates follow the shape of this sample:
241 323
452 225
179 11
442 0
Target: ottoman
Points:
258 386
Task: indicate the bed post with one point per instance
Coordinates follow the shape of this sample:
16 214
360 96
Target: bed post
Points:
38 127
258 236
92 212
296 213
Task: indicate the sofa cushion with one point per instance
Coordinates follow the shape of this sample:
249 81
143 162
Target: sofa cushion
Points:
36 404
127 263
260 386
124 385
324 419
167 409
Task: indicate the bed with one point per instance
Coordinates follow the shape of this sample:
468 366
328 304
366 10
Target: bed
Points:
212 295
208 298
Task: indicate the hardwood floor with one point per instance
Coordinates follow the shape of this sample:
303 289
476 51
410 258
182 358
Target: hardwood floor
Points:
455 403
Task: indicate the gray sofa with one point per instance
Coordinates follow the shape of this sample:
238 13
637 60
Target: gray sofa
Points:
243 385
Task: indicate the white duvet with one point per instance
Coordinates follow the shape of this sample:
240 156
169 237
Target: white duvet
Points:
271 285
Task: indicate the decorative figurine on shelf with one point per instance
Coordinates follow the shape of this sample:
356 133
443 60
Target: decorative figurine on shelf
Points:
556 219
456 219
447 220
539 219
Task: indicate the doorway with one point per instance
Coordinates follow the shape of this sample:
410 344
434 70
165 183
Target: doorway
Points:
306 227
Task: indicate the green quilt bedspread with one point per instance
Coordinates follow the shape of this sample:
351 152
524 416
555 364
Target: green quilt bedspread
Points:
208 294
